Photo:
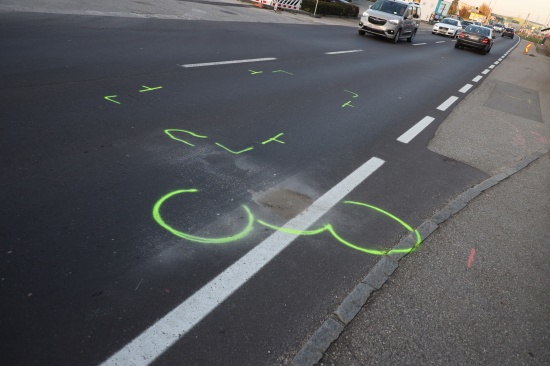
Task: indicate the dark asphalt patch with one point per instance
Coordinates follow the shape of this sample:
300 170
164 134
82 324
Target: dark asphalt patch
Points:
513 99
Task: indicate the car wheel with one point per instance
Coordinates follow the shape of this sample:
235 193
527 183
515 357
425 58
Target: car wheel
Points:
397 35
484 51
489 50
361 32
410 39
457 45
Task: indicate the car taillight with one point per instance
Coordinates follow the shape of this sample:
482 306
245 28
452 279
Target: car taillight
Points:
485 40
461 35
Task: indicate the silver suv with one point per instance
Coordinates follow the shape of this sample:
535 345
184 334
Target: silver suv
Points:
394 19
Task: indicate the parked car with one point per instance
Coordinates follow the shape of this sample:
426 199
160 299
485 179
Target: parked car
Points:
474 36
393 19
508 32
498 27
447 27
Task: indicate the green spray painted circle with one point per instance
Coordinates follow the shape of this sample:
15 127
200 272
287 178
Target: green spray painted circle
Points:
198 239
242 234
336 236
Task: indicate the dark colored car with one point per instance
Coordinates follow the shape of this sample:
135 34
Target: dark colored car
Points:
466 23
508 32
474 36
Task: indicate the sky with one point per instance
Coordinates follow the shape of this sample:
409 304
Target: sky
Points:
539 9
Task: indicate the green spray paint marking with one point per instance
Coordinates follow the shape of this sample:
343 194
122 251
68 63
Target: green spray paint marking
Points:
170 130
347 104
274 139
252 72
108 97
149 89
331 230
234 152
355 95
328 227
286 72
198 239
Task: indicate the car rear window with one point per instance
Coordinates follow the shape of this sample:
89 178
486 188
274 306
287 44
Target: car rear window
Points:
479 30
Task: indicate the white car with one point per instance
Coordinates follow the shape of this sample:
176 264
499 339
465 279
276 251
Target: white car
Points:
448 27
498 27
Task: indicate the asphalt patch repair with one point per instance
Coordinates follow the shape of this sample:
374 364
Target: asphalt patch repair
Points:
515 100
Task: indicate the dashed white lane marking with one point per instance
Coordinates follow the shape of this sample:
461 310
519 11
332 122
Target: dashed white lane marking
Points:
150 344
477 78
465 88
446 104
497 62
440 41
415 130
340 52
492 66
419 44
485 72
229 62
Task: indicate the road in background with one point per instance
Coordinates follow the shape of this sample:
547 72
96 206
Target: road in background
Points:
86 102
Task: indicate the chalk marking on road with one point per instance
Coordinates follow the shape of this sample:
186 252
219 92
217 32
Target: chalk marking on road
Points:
340 52
415 130
419 44
440 41
229 62
477 78
465 88
492 66
485 72
447 103
155 340
471 258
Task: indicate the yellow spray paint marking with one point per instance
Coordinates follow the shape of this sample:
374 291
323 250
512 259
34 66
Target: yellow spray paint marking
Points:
234 152
274 139
109 98
149 89
170 130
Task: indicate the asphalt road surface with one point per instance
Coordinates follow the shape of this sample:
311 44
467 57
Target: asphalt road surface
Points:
101 117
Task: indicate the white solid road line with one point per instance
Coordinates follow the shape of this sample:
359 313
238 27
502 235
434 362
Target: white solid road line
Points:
447 103
150 344
340 52
477 78
465 88
230 62
415 130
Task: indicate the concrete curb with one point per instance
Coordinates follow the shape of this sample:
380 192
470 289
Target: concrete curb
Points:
330 330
